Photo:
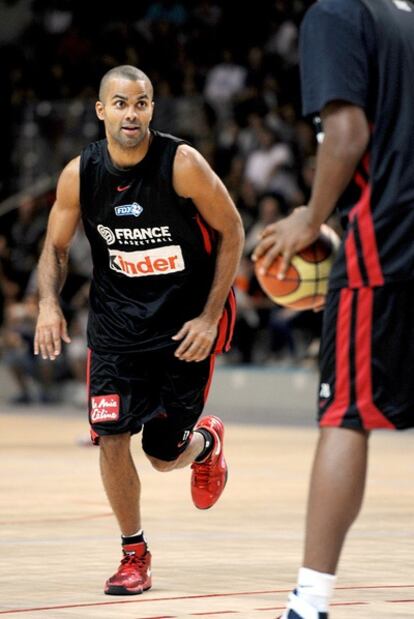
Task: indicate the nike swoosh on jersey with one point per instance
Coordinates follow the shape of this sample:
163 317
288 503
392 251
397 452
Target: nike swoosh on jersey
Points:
123 188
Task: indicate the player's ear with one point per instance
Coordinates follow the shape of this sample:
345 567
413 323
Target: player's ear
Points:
152 109
99 109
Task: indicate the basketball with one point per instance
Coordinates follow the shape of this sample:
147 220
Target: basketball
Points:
306 282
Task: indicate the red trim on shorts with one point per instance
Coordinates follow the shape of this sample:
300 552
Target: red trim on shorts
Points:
208 246
371 416
222 331
335 412
226 325
210 377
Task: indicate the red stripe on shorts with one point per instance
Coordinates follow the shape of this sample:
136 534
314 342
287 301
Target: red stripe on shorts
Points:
222 331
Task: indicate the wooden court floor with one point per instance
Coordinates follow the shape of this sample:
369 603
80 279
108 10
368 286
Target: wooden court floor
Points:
59 541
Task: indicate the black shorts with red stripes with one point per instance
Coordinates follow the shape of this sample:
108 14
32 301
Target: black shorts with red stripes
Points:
153 390
367 358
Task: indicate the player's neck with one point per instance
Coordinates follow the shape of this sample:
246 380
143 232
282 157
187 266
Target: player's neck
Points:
122 157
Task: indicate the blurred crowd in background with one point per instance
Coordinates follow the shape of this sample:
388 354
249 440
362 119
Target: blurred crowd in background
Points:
226 79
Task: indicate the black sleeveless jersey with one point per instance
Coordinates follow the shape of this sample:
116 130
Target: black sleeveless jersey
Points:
153 254
362 51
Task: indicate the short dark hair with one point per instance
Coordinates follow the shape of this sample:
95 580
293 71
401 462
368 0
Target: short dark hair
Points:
127 71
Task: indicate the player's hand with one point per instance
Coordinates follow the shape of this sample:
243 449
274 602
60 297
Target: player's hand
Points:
286 237
51 328
198 336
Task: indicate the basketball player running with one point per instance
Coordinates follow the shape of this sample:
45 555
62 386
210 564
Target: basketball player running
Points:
357 67
166 241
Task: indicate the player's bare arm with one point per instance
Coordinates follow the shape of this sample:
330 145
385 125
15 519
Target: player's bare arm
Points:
346 139
64 217
193 178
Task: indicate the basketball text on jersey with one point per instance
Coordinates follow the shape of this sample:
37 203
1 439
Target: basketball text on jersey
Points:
135 236
125 210
105 407
157 261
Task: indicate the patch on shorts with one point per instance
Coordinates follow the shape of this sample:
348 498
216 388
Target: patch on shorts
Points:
104 408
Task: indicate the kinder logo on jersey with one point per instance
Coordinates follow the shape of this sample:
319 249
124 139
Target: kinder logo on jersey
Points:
158 261
125 210
104 408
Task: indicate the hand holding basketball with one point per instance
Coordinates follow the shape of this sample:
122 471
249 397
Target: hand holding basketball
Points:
286 237
293 261
305 283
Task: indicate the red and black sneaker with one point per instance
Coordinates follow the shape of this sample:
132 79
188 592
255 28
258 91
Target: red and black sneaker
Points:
134 573
209 477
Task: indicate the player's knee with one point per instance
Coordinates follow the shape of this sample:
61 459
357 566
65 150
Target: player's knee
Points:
162 466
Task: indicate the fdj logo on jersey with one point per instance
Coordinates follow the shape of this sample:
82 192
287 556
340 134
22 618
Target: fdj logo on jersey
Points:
125 210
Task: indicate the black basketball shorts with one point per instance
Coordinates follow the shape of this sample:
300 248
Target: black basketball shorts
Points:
367 358
153 390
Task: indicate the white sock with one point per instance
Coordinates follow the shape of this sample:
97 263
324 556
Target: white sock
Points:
315 588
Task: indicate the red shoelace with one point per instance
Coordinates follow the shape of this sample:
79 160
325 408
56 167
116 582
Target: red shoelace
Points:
132 560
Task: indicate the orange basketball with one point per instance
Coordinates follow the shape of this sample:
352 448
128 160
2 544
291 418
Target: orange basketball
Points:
306 282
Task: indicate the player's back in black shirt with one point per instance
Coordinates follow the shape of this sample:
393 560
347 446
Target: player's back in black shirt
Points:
362 52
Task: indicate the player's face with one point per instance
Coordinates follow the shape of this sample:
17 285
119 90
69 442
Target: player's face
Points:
126 111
